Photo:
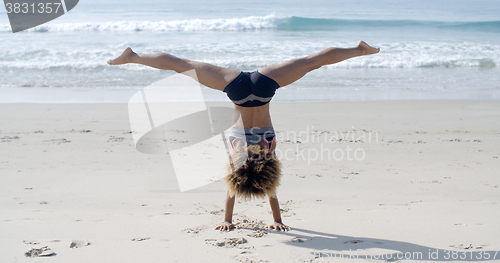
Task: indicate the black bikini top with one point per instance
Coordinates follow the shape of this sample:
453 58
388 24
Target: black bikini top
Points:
251 89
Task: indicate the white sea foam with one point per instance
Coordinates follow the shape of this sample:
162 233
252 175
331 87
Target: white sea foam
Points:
255 55
231 24
285 23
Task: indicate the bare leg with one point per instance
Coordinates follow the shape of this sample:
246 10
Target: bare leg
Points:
214 77
288 72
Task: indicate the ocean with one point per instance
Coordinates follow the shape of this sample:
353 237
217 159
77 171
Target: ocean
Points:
438 49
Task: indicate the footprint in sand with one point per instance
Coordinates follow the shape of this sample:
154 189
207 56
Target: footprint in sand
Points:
217 212
40 252
8 138
244 223
232 242
193 230
258 234
163 214
245 259
258 227
58 141
78 244
299 240
141 239
115 139
467 246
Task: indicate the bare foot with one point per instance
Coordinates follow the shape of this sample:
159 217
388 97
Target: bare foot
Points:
124 58
366 49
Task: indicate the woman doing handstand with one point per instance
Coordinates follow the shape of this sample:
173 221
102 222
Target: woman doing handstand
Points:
251 93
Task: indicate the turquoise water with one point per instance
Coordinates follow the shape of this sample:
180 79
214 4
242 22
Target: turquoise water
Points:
430 49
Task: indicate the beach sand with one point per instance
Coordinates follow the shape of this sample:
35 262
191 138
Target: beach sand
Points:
381 177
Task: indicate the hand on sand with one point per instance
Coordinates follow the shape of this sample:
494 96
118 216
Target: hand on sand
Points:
226 226
279 227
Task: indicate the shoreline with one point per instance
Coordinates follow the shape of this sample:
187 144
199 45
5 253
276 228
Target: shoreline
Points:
36 95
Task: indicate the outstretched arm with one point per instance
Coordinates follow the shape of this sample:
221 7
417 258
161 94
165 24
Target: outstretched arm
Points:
227 225
275 207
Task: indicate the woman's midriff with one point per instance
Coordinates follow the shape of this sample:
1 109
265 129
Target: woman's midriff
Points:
253 117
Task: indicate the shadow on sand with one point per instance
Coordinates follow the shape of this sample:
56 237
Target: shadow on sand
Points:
325 245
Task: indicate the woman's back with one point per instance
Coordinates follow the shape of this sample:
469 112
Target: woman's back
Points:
253 117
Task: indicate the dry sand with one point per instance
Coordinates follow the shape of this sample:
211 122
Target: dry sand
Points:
422 176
